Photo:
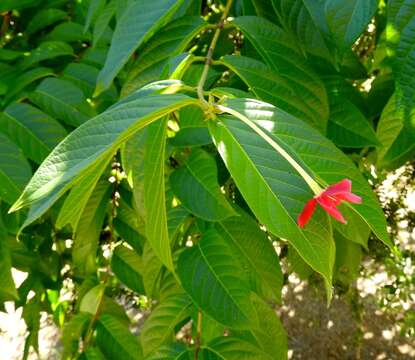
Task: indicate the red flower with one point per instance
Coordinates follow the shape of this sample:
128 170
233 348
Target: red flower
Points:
329 199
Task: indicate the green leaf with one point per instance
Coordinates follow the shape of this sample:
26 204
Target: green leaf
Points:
44 18
279 53
137 24
62 100
68 32
356 230
396 137
103 20
305 20
154 192
158 329
256 252
72 333
173 351
348 258
92 353
94 8
88 230
348 19
270 334
116 341
268 85
21 4
90 303
74 204
347 126
193 130
275 192
168 42
15 171
127 266
91 143
45 51
34 131
215 281
8 290
25 79
232 348
196 185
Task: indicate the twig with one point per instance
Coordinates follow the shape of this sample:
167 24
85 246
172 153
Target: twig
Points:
5 23
209 54
198 334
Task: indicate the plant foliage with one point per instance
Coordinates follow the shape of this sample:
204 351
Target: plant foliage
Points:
165 149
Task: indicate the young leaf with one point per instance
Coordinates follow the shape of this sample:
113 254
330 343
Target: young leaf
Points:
196 186
138 22
72 333
214 279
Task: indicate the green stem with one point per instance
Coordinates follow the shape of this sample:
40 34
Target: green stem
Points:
314 186
209 54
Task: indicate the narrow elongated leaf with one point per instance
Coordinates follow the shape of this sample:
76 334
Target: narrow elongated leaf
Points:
256 253
92 353
127 266
347 126
103 20
138 22
159 327
60 99
116 341
193 129
348 19
154 192
279 53
323 160
8 290
35 132
44 18
90 303
92 142
88 230
232 348
305 20
268 85
173 351
24 80
215 281
47 50
15 171
68 32
72 333
396 137
348 260
170 41
74 205
196 186
95 6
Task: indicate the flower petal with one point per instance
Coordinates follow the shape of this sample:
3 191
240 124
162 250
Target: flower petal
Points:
327 204
350 197
307 212
344 186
